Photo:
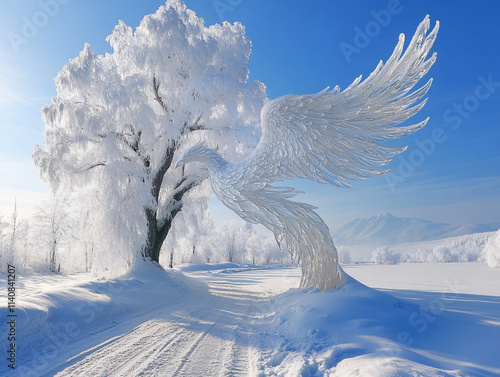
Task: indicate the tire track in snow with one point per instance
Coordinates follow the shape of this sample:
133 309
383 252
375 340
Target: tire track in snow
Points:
148 361
202 335
195 357
237 360
125 352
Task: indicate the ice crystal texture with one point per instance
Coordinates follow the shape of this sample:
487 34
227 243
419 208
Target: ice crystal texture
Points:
329 137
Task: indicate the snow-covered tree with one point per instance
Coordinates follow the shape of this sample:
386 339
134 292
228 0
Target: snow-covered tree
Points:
344 255
119 120
492 250
14 241
385 255
242 244
50 224
4 244
14 234
192 226
4 225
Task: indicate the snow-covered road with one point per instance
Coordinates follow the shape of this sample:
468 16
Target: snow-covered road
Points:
229 320
200 334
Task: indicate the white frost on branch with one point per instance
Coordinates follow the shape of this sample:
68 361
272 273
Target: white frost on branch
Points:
492 251
118 120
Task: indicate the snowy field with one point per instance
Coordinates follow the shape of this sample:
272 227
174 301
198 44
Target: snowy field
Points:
465 248
231 320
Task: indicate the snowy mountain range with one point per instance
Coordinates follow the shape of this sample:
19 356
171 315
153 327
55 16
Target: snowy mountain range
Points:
386 229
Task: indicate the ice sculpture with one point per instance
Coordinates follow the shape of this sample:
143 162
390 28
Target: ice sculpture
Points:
329 137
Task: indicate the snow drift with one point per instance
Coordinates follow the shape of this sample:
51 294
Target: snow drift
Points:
54 312
430 323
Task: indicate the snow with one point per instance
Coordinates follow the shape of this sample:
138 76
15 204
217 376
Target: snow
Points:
112 133
332 137
492 251
229 319
467 248
115 126
384 255
446 326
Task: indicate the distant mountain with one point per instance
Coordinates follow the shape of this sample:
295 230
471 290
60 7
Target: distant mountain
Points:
495 225
386 229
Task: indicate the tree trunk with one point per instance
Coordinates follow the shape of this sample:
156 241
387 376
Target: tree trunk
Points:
158 229
156 234
52 257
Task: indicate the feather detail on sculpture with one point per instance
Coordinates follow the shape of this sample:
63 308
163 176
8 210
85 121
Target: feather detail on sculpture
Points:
329 137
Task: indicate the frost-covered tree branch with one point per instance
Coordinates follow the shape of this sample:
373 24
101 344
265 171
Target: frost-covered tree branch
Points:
114 128
156 86
175 206
185 127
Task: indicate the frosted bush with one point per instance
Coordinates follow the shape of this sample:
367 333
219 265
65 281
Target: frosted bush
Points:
441 254
468 248
344 255
384 255
492 251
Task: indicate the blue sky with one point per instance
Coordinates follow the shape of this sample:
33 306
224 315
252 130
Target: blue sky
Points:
451 170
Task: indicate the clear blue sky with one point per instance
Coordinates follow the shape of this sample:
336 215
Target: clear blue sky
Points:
451 170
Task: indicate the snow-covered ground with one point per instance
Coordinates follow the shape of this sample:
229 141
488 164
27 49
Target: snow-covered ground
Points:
211 320
465 248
